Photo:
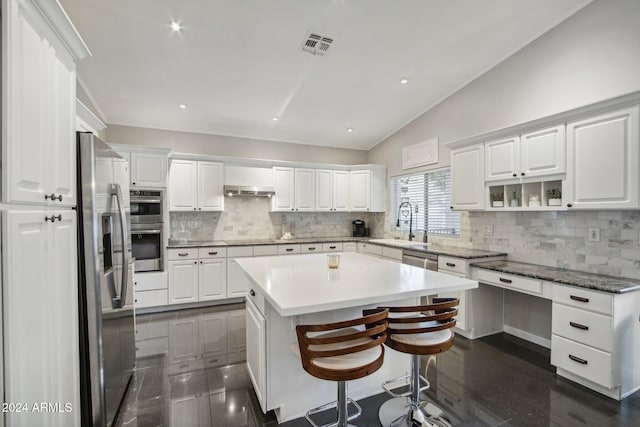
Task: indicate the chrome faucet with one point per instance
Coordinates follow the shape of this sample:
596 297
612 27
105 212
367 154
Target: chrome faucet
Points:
411 235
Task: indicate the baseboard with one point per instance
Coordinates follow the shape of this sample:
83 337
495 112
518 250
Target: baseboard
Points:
202 304
527 336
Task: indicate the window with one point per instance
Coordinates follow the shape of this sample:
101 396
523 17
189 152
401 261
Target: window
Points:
429 195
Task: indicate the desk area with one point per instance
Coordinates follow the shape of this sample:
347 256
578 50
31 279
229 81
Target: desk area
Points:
301 289
591 322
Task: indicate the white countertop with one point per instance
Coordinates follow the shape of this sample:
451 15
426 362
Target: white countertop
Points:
301 284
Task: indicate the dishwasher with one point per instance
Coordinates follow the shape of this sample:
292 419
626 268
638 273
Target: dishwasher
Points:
420 259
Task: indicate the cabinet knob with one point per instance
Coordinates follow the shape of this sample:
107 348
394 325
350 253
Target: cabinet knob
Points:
569 205
450 207
252 293
133 183
200 262
194 209
514 175
522 173
195 262
199 209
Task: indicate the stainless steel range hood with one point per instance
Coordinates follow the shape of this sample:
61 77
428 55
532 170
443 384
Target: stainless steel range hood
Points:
248 191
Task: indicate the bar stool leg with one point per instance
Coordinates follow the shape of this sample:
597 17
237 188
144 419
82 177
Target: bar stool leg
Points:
410 411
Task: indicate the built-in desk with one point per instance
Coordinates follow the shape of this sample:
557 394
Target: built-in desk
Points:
591 322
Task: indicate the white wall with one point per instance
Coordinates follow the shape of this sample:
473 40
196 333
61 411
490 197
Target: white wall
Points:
592 56
198 143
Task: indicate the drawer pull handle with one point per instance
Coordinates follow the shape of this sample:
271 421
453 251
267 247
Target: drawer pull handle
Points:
311 249
213 361
289 249
183 254
579 326
184 366
332 247
577 298
252 293
577 359
213 253
503 280
450 264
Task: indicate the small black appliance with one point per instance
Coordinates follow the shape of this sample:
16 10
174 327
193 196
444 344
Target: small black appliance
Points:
359 229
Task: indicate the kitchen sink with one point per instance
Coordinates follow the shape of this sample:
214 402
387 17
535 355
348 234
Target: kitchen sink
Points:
395 242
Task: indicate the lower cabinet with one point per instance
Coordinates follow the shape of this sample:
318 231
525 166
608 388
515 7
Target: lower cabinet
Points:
197 275
256 349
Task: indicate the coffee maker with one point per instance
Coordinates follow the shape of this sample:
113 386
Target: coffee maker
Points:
359 229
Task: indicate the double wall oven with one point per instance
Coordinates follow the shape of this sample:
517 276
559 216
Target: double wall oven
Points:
147 229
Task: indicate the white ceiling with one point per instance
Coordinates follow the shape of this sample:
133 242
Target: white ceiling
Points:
238 63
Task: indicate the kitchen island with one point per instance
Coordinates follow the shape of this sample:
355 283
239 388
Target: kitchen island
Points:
301 289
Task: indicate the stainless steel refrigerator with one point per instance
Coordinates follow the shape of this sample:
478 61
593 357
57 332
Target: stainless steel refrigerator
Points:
105 278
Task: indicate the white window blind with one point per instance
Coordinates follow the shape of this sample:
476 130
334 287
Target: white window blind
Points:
429 195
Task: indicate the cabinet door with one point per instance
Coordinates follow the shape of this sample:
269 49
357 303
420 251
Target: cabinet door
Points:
148 170
502 159
283 179
183 187
602 161
237 283
63 141
183 281
467 178
324 190
210 183
213 334
256 354
360 190
543 152
340 190
212 282
27 118
304 189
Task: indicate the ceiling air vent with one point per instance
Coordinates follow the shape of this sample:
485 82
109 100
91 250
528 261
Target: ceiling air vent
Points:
317 44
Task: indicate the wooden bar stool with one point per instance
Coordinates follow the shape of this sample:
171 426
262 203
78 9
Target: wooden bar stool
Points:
417 330
343 351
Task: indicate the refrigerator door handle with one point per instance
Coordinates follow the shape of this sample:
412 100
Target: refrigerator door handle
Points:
116 191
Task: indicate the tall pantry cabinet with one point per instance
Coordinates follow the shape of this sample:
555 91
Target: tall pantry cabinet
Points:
40 337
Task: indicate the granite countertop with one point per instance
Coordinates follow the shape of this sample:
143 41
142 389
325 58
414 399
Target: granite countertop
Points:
598 282
173 244
430 248
302 284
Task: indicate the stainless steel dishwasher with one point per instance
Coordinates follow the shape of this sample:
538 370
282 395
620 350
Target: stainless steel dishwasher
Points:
420 259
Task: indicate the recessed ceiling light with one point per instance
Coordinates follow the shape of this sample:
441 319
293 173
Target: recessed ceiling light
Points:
275 118
349 129
176 27
404 80
183 106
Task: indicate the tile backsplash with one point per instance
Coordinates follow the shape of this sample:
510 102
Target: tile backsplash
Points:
246 218
557 238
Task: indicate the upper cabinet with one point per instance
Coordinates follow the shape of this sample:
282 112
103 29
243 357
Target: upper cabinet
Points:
38 114
148 170
467 178
367 190
196 185
304 189
283 184
332 190
534 154
603 161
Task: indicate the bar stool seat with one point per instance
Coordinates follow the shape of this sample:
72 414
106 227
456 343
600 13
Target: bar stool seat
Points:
342 351
417 330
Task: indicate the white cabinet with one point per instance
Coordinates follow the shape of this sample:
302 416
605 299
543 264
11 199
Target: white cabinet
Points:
237 284
196 186
603 157
283 184
332 190
467 178
38 123
197 275
367 189
148 170
256 350
40 319
304 185
539 153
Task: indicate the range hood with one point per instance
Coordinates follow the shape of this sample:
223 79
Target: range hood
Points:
247 190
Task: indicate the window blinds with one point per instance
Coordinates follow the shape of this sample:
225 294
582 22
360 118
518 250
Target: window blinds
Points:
430 196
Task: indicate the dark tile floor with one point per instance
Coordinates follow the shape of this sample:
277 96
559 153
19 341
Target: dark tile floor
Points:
190 372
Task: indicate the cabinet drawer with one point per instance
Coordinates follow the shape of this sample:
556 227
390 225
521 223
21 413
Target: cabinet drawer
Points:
508 281
237 251
587 362
265 250
205 253
584 298
288 249
334 247
350 247
392 253
583 326
186 253
455 265
311 248
150 281
151 298
374 249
